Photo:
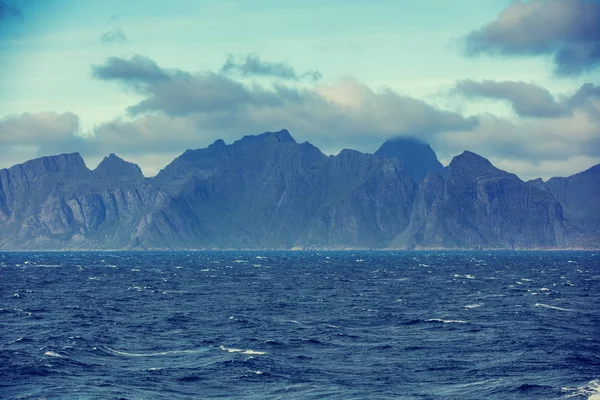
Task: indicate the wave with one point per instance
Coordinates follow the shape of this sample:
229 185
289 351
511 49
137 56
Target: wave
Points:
552 307
17 340
46 265
53 354
446 321
591 390
155 354
232 350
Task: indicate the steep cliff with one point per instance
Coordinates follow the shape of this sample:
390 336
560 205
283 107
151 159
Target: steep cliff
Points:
479 206
579 195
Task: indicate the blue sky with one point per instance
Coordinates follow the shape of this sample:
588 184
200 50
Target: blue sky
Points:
515 81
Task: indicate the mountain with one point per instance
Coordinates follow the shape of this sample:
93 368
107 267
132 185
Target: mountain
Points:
579 195
269 191
417 157
114 168
57 202
477 205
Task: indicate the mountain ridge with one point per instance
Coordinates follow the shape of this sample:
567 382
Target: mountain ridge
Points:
269 191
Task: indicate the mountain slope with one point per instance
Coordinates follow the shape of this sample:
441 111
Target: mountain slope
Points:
57 202
268 191
479 206
579 195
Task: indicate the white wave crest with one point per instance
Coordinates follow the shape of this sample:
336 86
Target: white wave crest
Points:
591 391
155 354
446 321
232 350
53 354
552 307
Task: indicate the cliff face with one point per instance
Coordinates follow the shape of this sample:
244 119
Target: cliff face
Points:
580 197
268 191
57 202
366 202
479 206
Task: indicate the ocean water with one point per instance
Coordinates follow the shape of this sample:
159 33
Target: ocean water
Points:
300 325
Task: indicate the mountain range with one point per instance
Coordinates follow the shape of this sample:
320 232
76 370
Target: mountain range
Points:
268 191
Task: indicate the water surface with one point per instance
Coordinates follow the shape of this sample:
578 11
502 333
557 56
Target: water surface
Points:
300 325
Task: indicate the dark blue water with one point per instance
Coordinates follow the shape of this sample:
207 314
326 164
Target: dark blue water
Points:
300 325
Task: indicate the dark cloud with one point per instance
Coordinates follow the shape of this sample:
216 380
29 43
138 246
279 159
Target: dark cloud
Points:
181 110
532 101
252 65
588 91
587 98
9 11
178 93
528 100
567 30
138 71
114 36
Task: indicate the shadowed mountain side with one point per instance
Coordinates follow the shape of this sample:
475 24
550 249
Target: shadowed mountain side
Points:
367 202
480 206
579 195
417 158
258 192
268 191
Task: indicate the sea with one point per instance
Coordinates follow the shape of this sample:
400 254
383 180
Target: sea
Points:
300 325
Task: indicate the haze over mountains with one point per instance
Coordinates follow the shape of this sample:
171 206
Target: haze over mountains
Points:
268 191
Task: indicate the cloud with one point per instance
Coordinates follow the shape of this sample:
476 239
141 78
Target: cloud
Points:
525 145
114 36
586 93
150 134
199 108
527 99
28 135
567 30
40 127
252 65
532 101
138 71
179 93
8 11
180 110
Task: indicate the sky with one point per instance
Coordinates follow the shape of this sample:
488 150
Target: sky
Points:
517 82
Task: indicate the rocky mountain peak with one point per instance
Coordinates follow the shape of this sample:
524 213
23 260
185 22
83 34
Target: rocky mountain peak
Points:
417 157
67 164
114 166
470 160
282 136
